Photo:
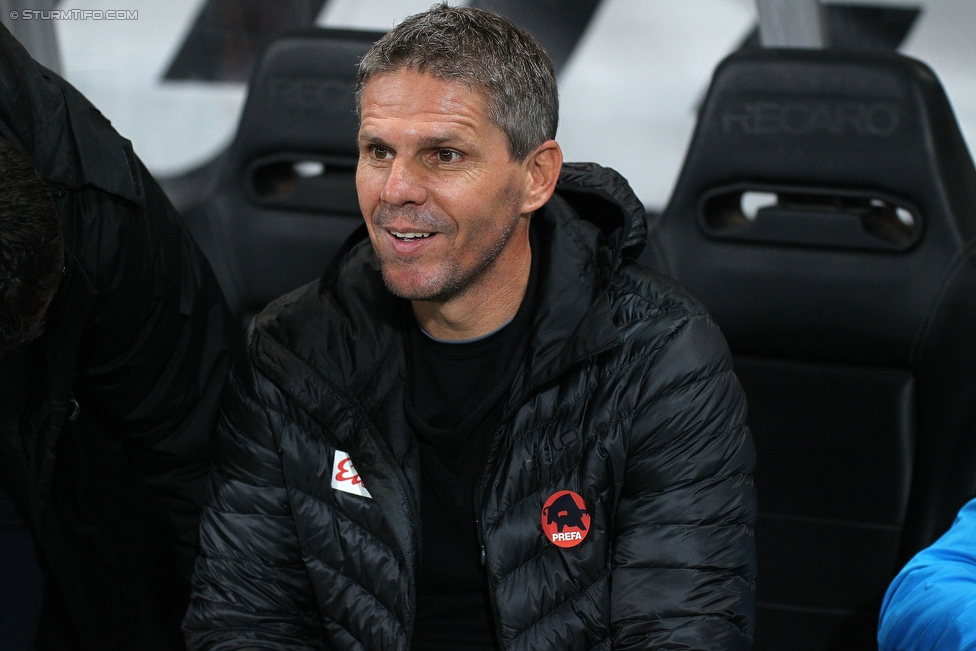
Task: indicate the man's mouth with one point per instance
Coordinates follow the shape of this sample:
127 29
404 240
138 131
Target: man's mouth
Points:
409 236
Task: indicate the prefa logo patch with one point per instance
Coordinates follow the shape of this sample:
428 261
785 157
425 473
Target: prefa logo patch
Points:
345 478
565 519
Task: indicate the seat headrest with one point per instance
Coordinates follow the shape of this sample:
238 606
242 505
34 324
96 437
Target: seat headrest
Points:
284 197
839 119
863 190
301 97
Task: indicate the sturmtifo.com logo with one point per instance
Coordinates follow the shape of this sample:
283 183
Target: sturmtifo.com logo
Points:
75 14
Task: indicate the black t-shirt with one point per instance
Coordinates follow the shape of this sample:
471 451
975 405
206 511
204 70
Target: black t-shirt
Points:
454 400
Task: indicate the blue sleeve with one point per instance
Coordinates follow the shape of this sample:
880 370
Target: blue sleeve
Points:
931 604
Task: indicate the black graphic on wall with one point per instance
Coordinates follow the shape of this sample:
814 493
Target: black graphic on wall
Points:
557 24
228 36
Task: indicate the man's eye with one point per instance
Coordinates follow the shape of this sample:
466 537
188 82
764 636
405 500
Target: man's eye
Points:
381 153
448 156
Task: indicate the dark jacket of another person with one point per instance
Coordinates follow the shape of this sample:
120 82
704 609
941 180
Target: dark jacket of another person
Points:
106 420
625 396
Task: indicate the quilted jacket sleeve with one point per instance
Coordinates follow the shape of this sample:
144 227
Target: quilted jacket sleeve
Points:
250 589
684 557
931 604
153 357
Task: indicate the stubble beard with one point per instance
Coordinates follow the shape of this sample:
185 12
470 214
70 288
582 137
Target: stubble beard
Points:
450 279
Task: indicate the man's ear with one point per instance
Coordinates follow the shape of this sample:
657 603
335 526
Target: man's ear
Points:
542 168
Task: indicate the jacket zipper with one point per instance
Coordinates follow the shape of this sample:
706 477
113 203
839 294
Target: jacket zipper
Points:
479 494
480 524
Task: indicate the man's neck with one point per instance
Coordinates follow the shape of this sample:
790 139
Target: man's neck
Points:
486 306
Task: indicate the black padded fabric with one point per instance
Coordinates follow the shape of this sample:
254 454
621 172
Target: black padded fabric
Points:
284 198
849 301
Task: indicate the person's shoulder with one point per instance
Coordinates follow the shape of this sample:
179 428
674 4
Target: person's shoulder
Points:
338 325
641 295
353 278
272 336
930 604
285 313
662 325
955 548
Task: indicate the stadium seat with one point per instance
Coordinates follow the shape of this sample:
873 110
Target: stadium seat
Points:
282 198
826 216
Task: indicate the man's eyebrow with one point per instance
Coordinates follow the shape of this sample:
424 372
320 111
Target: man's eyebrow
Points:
429 142
367 139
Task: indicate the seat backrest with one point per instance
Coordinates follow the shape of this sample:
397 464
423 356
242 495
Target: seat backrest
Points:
284 197
826 216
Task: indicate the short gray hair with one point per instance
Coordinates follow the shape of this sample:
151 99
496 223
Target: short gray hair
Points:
486 52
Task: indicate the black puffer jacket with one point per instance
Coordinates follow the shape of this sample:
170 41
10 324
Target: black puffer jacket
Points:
107 419
626 396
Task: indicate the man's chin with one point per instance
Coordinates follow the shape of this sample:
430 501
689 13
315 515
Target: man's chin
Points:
415 287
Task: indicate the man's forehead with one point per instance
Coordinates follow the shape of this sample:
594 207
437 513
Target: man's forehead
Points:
411 71
408 85
440 109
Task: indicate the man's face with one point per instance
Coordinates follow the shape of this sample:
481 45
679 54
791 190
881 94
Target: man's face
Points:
33 325
439 193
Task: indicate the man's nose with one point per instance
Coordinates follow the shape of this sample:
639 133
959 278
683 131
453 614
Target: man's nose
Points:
405 184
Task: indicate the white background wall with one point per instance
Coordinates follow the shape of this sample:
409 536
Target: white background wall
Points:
628 94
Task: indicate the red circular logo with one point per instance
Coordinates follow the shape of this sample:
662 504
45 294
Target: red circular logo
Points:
565 519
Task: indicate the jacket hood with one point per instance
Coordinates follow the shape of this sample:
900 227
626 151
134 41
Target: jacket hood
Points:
68 140
603 197
343 327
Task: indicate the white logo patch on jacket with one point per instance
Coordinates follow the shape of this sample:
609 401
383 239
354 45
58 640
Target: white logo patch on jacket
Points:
345 478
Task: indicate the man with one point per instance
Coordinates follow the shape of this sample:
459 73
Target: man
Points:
931 604
113 339
486 427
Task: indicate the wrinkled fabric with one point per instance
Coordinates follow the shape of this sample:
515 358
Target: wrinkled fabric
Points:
626 396
107 451
931 604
